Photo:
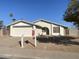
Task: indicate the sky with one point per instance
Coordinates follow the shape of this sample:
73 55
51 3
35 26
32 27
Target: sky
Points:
32 10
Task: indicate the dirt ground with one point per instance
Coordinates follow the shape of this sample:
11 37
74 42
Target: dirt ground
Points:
12 42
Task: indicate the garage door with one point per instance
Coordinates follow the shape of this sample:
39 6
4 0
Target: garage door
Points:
19 31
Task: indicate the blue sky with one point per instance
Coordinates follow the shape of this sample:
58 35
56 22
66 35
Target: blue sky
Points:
31 10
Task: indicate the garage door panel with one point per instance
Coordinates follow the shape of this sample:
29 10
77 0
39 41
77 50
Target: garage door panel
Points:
22 31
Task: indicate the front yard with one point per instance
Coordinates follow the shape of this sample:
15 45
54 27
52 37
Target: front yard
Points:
60 45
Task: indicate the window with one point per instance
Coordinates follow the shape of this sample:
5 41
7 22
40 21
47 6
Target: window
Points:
56 29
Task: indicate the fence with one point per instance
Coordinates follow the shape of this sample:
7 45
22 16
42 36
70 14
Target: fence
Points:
4 32
74 32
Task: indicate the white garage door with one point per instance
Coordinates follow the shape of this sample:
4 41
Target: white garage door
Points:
19 31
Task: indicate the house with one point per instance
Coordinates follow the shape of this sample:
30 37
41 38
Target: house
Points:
40 27
49 28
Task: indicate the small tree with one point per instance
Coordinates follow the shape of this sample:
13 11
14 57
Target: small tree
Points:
11 15
72 12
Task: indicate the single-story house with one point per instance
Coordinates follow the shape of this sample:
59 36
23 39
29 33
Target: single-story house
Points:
40 27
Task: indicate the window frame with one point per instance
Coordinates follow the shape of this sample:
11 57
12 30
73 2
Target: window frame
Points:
56 29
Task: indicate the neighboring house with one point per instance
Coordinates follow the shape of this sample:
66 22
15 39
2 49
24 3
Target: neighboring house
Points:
42 27
50 28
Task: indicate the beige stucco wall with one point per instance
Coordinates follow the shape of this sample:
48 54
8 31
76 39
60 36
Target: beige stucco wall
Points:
62 31
18 32
38 31
44 24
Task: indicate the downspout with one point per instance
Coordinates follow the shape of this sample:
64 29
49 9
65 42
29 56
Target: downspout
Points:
51 29
59 31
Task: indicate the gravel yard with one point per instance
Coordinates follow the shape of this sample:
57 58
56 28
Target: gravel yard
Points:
10 49
14 43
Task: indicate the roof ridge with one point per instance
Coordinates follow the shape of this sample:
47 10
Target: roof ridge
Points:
49 22
19 21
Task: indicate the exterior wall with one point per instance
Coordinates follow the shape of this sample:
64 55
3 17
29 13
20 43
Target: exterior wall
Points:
38 31
18 32
62 31
11 31
44 24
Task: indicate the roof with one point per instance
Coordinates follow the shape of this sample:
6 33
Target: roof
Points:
43 20
17 21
